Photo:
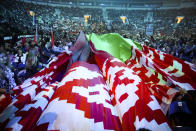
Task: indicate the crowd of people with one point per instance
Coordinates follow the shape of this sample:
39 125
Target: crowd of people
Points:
16 17
20 60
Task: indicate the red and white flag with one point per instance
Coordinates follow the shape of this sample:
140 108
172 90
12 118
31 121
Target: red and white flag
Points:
104 95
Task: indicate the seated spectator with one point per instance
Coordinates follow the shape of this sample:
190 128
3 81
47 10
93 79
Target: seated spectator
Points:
31 62
56 49
59 48
6 75
179 112
44 55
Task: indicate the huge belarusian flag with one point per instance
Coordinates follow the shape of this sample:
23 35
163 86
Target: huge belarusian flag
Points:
126 86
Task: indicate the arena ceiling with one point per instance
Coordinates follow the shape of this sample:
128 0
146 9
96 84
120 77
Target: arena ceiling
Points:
110 2
117 3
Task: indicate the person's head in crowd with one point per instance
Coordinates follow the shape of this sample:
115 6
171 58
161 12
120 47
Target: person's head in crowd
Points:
47 39
1 48
56 43
4 59
42 44
178 97
19 52
32 44
29 44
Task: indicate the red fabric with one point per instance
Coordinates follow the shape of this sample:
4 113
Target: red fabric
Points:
52 37
80 42
23 40
35 37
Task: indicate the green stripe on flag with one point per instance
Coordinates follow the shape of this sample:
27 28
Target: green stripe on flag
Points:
114 44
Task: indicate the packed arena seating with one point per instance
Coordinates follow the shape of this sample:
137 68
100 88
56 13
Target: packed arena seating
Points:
16 16
21 58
